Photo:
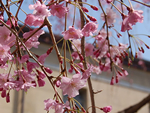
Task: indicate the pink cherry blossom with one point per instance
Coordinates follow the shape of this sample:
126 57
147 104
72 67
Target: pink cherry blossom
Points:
89 49
95 69
131 19
24 75
23 59
49 104
58 10
40 10
72 33
111 16
6 37
70 87
89 28
30 19
42 58
32 41
26 86
146 1
106 109
58 107
76 46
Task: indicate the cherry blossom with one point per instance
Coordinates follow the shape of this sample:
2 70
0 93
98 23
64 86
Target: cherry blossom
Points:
106 109
72 33
32 41
52 104
40 10
131 19
7 38
58 10
111 16
70 87
89 28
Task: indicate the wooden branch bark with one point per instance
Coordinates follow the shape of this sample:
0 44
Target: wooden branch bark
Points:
136 107
85 62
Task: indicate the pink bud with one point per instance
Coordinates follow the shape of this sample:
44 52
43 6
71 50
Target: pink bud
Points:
58 83
117 79
91 18
7 98
41 82
3 94
94 8
108 55
48 70
147 46
84 9
81 57
106 109
70 70
41 74
1 89
49 50
112 81
109 1
142 49
120 73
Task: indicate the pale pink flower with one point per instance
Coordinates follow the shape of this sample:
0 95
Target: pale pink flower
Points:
58 10
58 107
23 59
87 73
76 46
30 19
106 109
32 41
42 58
13 22
70 87
4 51
49 104
72 33
89 28
111 16
7 38
146 1
24 75
131 19
31 66
95 69
26 86
89 49
40 10
102 35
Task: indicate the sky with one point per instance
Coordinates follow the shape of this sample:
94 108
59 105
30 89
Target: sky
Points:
143 28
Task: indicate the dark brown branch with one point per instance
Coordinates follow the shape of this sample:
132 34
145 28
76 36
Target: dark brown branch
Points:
136 107
85 63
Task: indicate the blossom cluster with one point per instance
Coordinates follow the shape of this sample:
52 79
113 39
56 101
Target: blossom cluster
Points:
99 55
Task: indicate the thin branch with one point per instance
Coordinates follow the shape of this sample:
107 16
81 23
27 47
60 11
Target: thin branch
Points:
85 62
136 107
